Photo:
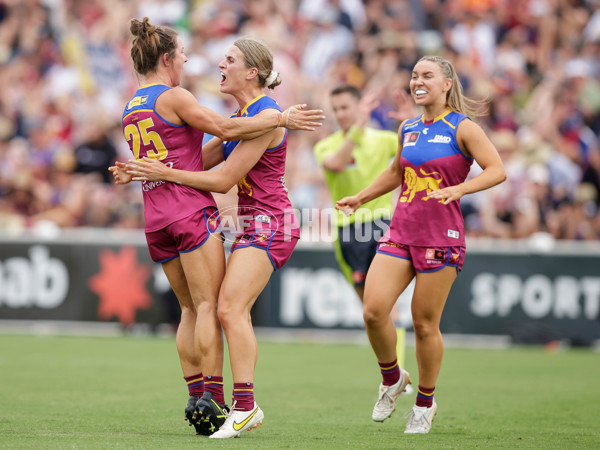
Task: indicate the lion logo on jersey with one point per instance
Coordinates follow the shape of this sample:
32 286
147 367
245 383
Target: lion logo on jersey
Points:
245 187
415 183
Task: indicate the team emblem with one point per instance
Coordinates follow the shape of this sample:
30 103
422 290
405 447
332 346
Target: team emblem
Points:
429 182
410 139
432 253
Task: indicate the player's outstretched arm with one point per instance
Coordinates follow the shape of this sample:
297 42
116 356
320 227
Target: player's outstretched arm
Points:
220 180
297 117
240 128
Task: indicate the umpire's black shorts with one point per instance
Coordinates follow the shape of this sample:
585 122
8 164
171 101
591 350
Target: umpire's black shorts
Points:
358 245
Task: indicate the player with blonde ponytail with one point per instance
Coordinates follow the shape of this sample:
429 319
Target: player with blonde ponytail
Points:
164 123
426 238
271 229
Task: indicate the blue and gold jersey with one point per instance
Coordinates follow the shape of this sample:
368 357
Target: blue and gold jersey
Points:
431 159
178 146
262 192
251 109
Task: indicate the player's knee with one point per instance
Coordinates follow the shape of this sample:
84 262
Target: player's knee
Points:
224 313
188 313
424 327
227 312
206 307
372 314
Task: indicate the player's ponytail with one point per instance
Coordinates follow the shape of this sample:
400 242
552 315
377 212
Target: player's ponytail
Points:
150 42
273 80
257 55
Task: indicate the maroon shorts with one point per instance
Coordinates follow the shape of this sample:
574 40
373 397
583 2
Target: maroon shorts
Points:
425 259
183 235
279 246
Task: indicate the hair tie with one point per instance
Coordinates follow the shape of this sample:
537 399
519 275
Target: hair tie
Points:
271 78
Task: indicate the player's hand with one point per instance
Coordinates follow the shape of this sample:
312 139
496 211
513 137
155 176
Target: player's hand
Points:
297 117
448 194
147 169
405 106
119 173
368 102
348 205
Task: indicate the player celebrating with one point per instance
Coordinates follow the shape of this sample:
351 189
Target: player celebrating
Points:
166 123
271 229
426 237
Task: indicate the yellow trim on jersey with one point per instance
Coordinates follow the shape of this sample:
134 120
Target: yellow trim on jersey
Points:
151 84
443 118
137 111
449 124
440 117
245 108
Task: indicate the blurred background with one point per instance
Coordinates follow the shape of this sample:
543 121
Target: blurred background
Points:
66 74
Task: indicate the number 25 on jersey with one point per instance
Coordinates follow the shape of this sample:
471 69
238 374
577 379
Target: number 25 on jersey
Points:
140 133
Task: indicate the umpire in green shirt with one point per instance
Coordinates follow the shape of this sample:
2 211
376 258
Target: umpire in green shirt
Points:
352 158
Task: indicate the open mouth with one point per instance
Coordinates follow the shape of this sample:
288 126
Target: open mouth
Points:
223 77
419 92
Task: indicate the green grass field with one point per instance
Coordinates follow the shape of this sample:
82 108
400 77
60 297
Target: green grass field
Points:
81 392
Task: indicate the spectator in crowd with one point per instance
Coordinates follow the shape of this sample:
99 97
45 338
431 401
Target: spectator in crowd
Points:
537 62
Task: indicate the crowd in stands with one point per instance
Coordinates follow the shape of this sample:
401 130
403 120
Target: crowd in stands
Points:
66 74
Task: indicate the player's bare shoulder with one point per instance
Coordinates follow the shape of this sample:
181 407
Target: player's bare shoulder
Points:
468 134
175 104
178 95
